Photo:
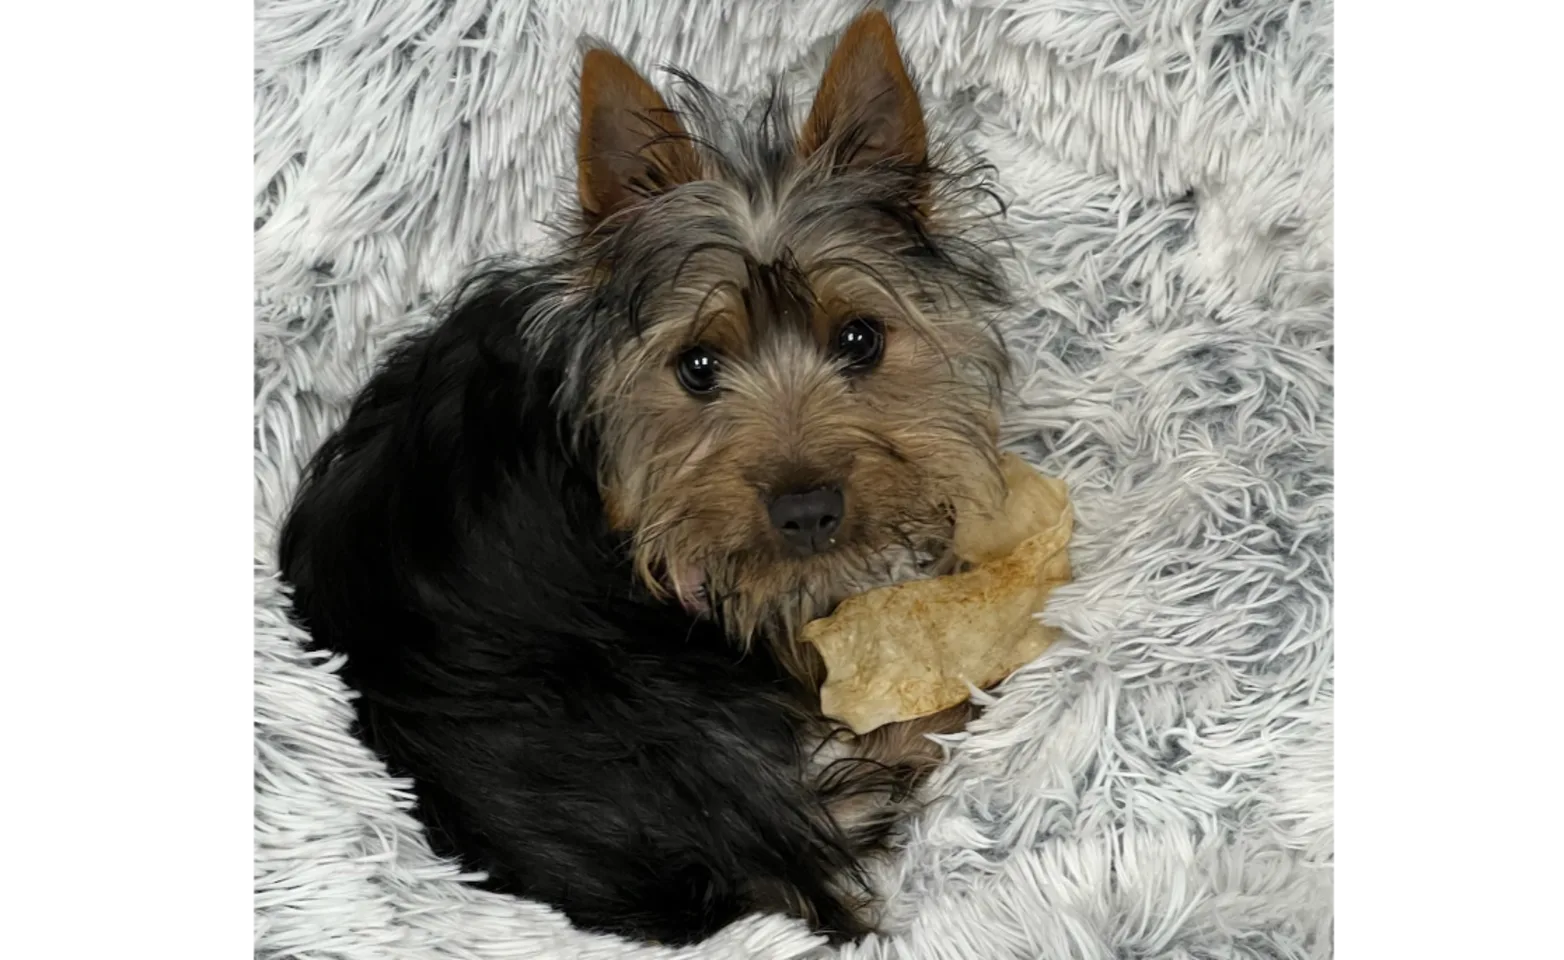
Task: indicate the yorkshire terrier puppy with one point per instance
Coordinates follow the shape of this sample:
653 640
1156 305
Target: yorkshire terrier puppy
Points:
566 538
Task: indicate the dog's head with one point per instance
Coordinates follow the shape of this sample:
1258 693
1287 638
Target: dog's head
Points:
808 386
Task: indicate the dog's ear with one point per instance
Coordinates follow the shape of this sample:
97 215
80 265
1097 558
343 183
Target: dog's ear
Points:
631 145
866 110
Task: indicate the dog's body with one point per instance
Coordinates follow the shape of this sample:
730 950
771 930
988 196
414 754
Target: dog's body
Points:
565 537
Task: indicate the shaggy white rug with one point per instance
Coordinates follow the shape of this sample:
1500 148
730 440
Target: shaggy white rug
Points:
1159 784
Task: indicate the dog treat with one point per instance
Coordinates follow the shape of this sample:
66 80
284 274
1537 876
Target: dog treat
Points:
909 650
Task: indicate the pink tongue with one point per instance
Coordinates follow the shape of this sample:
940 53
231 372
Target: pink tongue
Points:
690 587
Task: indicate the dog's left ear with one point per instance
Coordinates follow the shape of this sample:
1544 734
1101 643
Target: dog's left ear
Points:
631 144
866 110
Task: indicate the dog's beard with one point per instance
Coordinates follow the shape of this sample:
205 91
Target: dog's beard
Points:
778 600
893 565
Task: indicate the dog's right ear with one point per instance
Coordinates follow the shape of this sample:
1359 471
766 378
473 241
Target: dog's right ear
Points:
632 145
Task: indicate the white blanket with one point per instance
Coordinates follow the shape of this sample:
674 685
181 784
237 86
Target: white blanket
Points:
1159 784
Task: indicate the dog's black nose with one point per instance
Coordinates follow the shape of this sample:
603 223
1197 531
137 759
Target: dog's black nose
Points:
808 520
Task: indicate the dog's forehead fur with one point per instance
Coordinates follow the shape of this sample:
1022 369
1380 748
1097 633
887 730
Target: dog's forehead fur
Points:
771 242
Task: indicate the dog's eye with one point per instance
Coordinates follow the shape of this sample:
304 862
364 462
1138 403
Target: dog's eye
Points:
697 370
860 342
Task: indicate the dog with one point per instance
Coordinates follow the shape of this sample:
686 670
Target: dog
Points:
566 537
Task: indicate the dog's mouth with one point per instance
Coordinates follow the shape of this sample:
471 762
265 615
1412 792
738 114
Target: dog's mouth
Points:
838 578
891 566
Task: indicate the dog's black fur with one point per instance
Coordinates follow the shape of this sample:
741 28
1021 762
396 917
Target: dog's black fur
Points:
588 746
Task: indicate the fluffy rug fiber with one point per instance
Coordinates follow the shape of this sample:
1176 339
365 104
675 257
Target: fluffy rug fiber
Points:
1159 784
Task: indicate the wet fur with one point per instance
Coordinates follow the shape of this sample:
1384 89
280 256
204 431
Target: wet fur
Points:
492 536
